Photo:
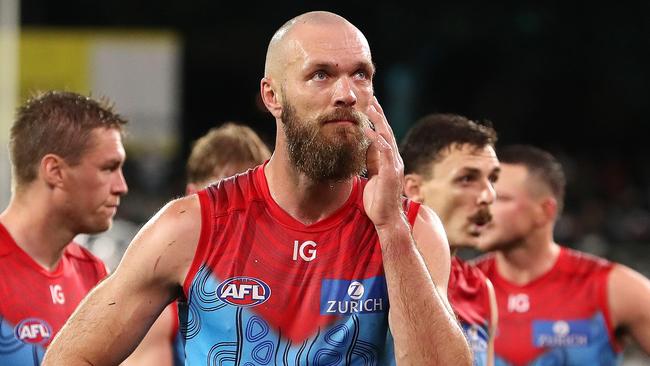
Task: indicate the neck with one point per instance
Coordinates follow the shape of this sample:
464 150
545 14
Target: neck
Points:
302 198
35 229
529 259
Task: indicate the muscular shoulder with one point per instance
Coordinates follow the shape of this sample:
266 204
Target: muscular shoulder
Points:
428 220
165 245
629 295
180 215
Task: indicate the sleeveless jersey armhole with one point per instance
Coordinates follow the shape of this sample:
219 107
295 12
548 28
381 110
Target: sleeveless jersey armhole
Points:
206 202
603 300
412 209
487 284
175 322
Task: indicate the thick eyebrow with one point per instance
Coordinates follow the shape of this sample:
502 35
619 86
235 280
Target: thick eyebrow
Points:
113 162
471 170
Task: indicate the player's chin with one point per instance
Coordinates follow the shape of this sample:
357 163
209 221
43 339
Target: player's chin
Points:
100 224
485 243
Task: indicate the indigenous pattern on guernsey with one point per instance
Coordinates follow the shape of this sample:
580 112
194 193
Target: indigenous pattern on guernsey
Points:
36 302
264 289
470 299
559 319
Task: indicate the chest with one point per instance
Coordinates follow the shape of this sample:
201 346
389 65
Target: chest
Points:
35 305
296 281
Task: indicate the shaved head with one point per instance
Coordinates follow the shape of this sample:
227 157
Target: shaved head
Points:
318 85
289 37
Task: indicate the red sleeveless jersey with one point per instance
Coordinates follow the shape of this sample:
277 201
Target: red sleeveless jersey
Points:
266 289
470 300
35 303
560 318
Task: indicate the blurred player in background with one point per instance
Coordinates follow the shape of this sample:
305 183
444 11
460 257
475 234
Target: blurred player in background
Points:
451 166
67 155
224 151
557 306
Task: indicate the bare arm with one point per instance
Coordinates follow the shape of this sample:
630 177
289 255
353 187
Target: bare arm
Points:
416 287
156 347
115 316
629 303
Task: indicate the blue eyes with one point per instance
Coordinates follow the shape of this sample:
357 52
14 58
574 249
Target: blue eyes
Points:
322 75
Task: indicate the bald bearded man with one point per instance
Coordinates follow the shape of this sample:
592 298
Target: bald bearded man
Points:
299 261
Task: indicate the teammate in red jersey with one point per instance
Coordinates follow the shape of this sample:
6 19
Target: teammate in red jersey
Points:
557 306
450 164
318 86
67 156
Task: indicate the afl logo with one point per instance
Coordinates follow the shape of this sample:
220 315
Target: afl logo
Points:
33 331
243 291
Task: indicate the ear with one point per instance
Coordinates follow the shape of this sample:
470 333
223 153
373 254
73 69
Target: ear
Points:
550 208
547 210
413 187
51 170
271 98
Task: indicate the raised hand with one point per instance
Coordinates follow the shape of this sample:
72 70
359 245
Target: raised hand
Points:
381 197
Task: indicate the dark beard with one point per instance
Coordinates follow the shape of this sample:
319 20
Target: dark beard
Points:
324 158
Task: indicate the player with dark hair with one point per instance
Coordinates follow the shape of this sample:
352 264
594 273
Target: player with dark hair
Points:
451 166
557 306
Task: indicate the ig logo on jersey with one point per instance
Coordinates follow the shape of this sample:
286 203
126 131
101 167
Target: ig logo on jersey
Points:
33 331
243 291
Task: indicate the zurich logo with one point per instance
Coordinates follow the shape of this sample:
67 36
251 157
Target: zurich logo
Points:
561 328
356 290
33 331
243 291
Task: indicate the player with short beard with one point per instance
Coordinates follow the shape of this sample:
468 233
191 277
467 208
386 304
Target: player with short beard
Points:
557 306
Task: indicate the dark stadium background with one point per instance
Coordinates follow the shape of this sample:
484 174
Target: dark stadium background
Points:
571 77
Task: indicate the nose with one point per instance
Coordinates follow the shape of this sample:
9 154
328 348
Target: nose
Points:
488 194
119 183
344 94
